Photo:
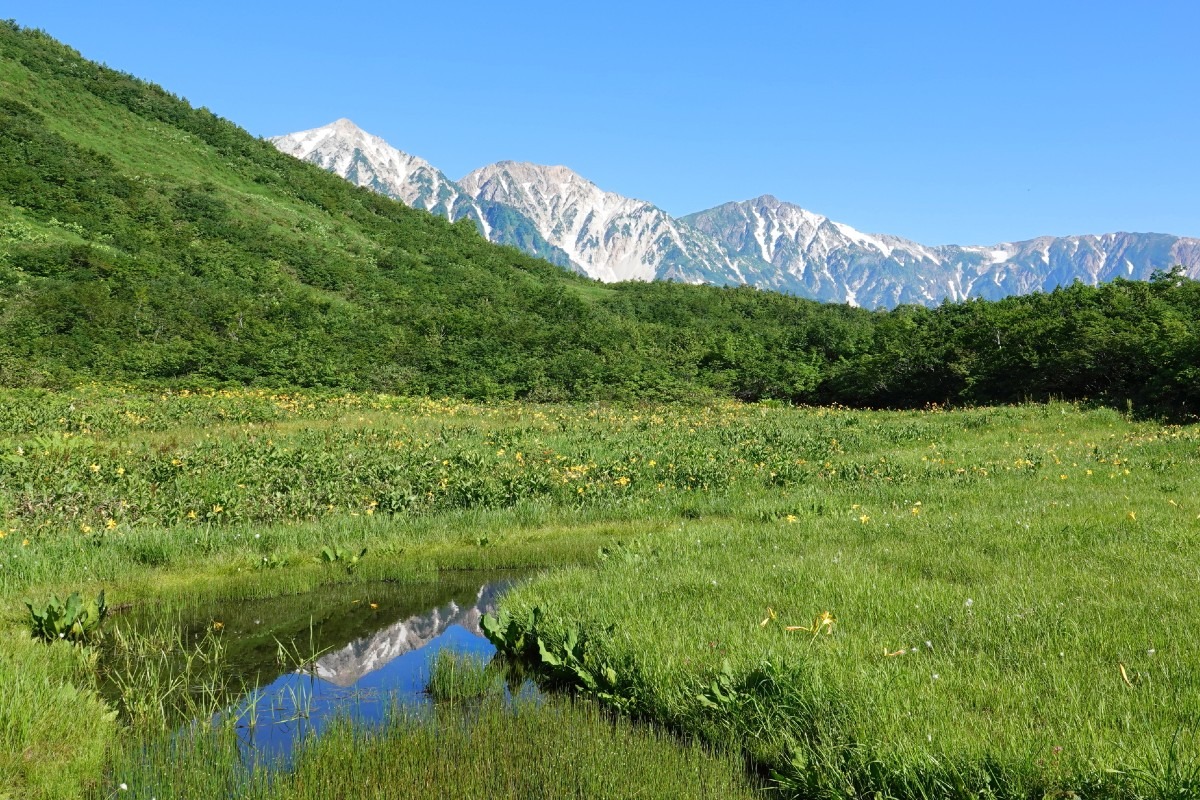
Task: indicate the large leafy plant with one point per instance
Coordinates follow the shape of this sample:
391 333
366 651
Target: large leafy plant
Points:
569 660
336 555
74 620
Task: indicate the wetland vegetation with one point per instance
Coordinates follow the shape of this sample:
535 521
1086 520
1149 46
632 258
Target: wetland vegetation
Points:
981 602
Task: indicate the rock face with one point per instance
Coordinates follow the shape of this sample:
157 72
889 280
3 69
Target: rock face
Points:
607 236
346 666
556 214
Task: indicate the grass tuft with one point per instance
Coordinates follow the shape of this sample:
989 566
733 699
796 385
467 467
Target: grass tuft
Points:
460 677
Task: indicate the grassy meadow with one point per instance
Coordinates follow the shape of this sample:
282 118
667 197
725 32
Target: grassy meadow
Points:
992 602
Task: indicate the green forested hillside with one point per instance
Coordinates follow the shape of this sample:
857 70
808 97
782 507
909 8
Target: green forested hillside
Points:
144 240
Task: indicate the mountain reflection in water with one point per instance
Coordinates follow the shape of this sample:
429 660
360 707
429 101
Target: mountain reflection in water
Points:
362 679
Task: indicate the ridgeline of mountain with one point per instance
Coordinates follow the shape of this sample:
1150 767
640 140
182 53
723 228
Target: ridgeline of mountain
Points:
797 251
762 242
365 160
607 236
143 240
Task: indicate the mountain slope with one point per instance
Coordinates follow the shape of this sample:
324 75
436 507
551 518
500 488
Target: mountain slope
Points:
366 160
142 239
791 249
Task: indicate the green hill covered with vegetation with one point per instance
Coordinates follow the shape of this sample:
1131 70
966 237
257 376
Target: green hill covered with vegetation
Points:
143 240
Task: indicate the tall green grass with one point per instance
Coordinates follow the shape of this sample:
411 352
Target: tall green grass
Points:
1033 563
557 748
464 677
54 728
1013 605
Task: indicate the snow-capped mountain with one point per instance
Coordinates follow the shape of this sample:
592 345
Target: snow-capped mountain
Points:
606 235
790 249
556 214
365 160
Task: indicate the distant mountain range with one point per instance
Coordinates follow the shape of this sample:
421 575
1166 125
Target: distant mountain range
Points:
558 215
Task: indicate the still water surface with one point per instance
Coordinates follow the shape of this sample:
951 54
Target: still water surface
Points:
374 646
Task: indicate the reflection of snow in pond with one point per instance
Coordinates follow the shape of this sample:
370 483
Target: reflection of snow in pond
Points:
362 680
347 665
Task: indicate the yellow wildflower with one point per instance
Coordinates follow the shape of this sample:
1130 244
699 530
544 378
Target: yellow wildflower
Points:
823 621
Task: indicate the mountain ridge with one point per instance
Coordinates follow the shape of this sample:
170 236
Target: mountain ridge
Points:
763 242
604 233
368 160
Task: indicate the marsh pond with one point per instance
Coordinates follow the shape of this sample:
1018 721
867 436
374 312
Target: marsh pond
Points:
284 668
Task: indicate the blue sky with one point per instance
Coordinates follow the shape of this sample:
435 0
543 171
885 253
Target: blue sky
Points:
945 122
